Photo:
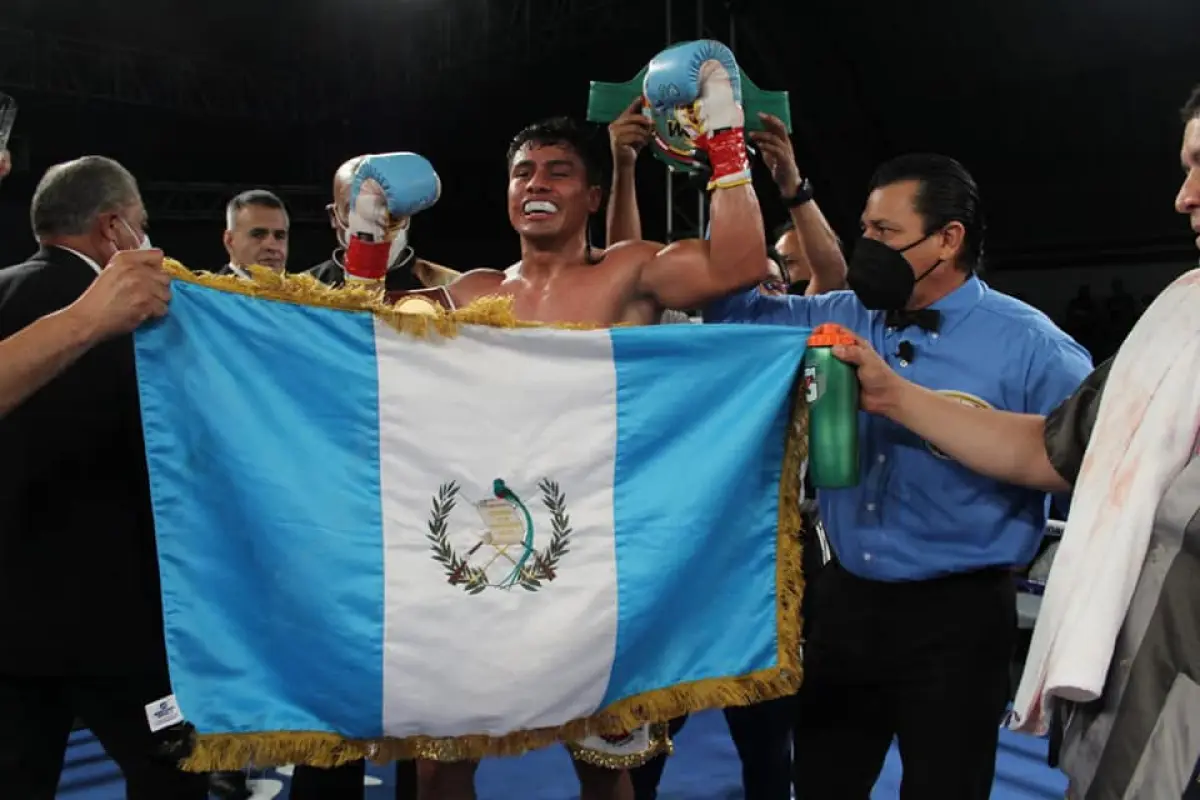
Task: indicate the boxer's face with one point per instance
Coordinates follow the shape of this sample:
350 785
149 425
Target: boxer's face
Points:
259 236
1188 200
548 191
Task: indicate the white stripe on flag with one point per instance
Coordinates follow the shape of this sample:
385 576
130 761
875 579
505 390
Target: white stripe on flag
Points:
502 659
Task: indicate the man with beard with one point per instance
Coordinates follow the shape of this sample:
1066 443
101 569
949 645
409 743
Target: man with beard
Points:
553 189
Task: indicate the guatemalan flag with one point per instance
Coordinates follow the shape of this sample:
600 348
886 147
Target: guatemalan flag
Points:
374 542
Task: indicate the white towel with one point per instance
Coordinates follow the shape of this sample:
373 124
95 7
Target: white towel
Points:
1144 436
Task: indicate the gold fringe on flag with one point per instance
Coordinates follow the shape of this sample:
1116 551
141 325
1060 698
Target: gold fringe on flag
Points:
214 752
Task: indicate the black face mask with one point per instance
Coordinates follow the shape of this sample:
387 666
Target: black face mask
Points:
881 276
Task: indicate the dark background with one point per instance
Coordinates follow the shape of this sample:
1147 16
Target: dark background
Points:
1065 110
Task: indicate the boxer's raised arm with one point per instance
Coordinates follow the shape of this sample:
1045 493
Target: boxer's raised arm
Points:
700 84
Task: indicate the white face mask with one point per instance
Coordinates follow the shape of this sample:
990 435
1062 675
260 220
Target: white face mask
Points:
144 242
395 252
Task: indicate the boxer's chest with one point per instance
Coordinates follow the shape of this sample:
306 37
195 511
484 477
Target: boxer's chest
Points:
580 297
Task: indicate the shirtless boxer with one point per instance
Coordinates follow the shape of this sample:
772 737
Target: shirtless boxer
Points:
552 192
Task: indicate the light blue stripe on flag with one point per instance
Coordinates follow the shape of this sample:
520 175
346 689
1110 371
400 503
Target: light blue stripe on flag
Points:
294 656
691 380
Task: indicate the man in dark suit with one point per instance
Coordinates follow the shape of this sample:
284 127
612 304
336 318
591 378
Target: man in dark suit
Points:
256 232
132 289
80 615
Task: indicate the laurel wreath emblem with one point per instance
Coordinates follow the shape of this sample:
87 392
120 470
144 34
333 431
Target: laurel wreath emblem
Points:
542 568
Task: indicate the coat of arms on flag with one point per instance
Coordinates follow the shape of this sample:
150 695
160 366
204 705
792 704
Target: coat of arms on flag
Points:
453 535
505 534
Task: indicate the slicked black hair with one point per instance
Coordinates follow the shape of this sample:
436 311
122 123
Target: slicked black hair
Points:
947 193
563 132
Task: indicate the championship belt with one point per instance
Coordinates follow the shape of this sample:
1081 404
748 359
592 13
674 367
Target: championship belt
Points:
421 301
624 751
672 144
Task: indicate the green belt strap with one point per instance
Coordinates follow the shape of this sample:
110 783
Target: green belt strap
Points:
607 101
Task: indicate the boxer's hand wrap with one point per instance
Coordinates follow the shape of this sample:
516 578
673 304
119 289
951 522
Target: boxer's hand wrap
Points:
727 153
701 82
367 261
386 191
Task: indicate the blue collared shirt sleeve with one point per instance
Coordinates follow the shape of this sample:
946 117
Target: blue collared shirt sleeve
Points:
1055 371
752 306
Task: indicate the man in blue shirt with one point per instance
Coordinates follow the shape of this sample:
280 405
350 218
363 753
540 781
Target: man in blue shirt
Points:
913 625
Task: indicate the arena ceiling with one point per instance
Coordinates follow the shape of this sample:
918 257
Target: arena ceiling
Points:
1065 110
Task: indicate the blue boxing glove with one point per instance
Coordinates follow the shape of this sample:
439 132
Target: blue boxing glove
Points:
700 84
385 192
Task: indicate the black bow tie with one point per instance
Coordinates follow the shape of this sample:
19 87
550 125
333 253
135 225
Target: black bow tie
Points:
927 319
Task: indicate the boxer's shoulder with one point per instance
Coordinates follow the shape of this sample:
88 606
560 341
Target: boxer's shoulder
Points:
475 283
629 255
635 248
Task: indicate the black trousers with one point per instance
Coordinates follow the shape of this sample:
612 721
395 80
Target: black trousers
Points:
925 662
346 782
36 717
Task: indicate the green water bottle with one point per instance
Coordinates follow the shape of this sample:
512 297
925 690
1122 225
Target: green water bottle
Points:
831 390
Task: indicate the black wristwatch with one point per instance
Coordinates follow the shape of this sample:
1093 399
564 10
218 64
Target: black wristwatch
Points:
804 194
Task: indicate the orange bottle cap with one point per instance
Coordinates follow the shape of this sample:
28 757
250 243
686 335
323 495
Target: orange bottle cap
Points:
829 334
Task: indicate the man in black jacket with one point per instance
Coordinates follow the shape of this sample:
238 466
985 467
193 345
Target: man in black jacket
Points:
80 615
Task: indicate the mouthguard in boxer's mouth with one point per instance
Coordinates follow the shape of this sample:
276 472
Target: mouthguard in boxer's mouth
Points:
539 207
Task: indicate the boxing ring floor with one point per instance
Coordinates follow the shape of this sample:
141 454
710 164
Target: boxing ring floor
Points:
705 767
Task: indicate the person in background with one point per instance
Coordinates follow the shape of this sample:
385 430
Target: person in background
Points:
806 238
912 624
5 164
256 233
789 252
80 609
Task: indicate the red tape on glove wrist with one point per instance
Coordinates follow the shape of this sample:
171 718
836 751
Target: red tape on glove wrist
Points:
367 261
727 154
